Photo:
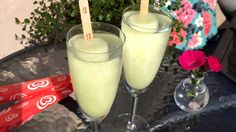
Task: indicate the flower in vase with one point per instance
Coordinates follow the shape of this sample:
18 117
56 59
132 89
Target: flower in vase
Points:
191 60
214 63
198 63
192 94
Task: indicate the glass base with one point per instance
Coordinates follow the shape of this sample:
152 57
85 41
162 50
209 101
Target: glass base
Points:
120 124
189 98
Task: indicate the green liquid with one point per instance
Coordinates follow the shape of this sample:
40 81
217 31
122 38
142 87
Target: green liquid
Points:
95 83
144 47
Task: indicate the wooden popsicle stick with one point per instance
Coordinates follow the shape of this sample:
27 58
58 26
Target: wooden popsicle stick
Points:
86 20
144 7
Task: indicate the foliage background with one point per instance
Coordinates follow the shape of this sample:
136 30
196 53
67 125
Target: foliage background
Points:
51 19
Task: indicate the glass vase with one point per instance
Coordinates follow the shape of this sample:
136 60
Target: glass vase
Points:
192 94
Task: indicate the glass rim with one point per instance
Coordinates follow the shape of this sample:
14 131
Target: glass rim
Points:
154 8
95 23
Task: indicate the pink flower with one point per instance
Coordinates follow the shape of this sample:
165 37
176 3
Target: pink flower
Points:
186 13
214 63
207 22
195 41
175 36
191 60
175 39
212 3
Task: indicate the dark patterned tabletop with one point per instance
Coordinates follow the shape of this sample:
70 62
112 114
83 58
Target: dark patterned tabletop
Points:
156 105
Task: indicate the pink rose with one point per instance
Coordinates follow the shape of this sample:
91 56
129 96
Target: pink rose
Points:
211 3
214 63
186 13
191 60
175 36
207 22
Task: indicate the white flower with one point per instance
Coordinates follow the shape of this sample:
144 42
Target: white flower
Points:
168 3
199 21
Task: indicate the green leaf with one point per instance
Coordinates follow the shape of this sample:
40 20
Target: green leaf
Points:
17 20
181 39
151 1
16 36
41 2
24 28
36 11
26 20
108 17
63 1
23 36
177 29
47 18
35 2
168 7
190 94
100 17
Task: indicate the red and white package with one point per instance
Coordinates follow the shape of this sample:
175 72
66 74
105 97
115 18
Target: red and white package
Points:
33 88
24 110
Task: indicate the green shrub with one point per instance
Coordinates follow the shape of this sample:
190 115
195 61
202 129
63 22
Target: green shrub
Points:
51 18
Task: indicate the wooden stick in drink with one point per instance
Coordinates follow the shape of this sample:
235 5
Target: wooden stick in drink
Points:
144 7
85 18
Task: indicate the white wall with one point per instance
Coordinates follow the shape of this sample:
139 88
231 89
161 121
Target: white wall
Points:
9 9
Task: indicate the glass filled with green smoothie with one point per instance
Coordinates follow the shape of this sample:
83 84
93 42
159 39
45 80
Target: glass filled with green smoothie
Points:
95 67
147 34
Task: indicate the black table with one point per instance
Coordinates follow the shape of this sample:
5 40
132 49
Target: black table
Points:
156 105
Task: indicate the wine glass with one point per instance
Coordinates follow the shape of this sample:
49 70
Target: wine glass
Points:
146 42
95 68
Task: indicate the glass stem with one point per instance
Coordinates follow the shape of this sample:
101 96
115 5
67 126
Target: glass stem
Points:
95 126
134 101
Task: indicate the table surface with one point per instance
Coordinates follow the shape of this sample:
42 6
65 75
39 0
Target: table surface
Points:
156 105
